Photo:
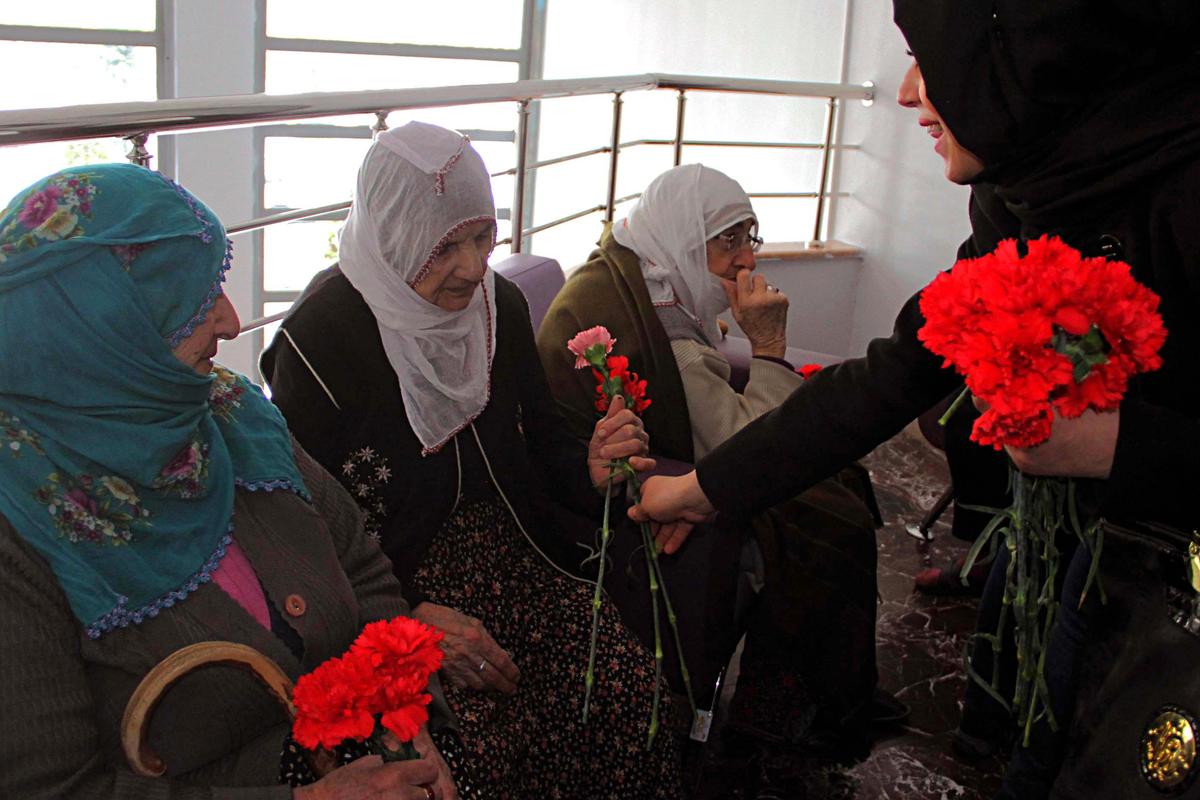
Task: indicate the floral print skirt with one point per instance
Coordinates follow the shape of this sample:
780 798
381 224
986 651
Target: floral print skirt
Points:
534 743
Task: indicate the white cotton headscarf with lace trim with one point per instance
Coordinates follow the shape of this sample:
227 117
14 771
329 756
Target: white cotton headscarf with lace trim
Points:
677 214
419 185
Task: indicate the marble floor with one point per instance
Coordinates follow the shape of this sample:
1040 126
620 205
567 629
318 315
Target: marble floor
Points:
919 642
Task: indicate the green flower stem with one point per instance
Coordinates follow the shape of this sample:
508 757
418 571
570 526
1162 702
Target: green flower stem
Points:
1042 510
958 401
405 752
658 651
589 679
656 567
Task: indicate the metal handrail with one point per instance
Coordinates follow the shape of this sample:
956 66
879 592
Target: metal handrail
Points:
286 216
26 126
136 121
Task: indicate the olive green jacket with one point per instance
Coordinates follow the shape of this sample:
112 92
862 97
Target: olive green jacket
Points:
609 290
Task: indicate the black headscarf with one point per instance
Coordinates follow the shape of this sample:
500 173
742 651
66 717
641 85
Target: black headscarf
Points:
1065 101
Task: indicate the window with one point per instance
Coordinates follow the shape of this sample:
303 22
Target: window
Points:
371 45
68 53
463 23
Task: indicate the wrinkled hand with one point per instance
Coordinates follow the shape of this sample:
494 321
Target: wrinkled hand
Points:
760 312
1083 447
1077 448
676 504
618 435
467 645
444 786
369 778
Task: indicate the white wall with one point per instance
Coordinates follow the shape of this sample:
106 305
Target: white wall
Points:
901 209
780 39
821 293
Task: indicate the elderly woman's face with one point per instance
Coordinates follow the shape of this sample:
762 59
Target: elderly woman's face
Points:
459 268
198 350
731 251
962 166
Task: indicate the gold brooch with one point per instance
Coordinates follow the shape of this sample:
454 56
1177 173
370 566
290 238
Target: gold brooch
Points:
1168 752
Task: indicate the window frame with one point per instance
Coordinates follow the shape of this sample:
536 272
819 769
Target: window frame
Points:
528 56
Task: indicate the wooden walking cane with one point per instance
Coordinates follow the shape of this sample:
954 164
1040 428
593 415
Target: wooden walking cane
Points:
135 723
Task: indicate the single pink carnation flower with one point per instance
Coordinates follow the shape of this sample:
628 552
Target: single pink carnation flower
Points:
585 340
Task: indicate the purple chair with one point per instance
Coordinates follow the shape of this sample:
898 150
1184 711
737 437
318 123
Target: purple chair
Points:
737 352
538 277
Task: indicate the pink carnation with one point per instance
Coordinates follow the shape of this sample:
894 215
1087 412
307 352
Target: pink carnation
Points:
585 340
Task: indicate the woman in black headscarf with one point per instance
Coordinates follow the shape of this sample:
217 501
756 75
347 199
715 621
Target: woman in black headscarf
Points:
1080 120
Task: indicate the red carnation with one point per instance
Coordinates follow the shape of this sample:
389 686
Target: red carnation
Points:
620 381
400 646
1035 335
1050 331
332 705
808 370
383 676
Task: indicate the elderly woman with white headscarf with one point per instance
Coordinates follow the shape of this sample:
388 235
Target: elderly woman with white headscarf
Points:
806 594
410 371
690 243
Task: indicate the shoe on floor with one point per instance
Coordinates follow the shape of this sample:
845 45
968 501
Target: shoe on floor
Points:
947 580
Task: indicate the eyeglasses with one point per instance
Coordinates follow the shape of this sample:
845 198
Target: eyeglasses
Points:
733 241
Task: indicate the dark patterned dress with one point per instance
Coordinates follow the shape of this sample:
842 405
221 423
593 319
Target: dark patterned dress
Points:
534 744
452 535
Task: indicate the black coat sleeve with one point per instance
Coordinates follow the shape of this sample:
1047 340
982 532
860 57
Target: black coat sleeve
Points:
837 416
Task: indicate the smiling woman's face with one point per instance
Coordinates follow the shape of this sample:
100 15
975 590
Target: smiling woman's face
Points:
198 350
459 268
962 166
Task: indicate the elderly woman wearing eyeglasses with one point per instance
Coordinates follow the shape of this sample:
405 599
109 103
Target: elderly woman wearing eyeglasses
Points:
683 255
660 277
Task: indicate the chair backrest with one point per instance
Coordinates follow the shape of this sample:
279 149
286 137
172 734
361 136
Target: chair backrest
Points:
737 352
538 277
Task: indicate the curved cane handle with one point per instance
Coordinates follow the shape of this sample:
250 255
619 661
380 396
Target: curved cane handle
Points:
135 723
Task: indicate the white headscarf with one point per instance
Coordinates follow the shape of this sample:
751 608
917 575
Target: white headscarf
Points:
677 214
419 185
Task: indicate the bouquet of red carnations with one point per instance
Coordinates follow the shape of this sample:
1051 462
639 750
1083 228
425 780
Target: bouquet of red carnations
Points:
592 348
1038 335
378 687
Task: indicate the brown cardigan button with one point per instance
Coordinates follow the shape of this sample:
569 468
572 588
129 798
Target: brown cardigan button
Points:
295 605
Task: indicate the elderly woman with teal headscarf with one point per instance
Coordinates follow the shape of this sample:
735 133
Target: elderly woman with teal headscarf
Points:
148 500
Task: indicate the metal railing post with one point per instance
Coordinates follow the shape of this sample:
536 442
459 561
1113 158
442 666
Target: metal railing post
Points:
611 204
827 151
518 210
680 102
138 154
380 124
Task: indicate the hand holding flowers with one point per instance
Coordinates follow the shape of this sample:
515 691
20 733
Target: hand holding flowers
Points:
376 692
1082 447
369 777
620 390
618 435
1047 341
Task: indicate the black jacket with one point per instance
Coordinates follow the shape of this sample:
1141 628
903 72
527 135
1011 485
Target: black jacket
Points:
1111 164
522 431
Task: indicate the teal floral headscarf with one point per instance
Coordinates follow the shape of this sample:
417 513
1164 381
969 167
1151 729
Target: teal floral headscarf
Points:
117 462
